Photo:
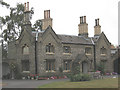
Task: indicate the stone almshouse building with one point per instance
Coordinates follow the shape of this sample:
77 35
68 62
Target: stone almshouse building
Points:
45 51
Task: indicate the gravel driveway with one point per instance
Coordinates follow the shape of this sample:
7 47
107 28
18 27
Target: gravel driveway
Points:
27 83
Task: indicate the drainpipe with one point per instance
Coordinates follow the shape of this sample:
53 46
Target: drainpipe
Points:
36 52
94 57
94 50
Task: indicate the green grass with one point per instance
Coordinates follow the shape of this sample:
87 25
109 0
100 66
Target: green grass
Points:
101 83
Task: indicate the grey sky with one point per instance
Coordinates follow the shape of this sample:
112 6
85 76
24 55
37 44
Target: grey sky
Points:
66 13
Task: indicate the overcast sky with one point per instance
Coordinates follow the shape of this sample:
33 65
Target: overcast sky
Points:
66 13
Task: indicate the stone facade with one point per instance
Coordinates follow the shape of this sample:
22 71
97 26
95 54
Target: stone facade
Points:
48 51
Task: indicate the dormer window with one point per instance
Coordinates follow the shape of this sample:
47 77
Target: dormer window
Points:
103 51
88 51
50 48
66 49
25 50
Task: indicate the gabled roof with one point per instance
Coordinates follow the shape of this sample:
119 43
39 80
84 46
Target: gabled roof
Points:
97 38
48 29
81 57
71 39
21 34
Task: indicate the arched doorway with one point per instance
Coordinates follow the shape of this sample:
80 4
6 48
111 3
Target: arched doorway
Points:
84 67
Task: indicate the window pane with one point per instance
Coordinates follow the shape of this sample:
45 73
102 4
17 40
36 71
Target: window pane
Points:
46 65
49 48
25 50
25 65
103 50
66 49
50 65
67 64
88 50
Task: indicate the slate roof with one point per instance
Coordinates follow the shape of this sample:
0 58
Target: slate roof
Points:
71 39
74 39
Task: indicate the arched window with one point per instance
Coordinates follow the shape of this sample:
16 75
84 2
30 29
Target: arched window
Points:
50 48
25 49
103 51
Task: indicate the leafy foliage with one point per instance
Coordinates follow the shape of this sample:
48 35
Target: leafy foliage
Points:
38 25
80 77
101 68
76 70
4 50
13 22
4 4
15 69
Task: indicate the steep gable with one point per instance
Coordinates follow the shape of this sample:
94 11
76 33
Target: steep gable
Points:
25 36
49 33
103 37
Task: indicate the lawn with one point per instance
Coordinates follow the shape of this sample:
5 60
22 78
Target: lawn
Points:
101 83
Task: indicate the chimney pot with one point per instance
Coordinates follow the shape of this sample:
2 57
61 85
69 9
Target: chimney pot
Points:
80 20
25 7
95 22
46 14
84 19
98 21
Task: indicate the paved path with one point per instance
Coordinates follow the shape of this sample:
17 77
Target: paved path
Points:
27 83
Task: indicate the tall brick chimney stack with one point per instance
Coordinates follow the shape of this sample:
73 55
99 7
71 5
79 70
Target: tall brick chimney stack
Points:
47 20
97 28
26 14
83 27
27 23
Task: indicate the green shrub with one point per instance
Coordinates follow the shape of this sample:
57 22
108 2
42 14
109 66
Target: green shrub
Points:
6 76
80 77
76 70
101 67
86 77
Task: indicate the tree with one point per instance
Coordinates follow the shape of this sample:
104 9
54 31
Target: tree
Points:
13 23
4 4
38 25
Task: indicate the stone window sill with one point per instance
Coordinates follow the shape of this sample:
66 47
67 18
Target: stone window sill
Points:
26 71
51 53
103 54
88 54
25 53
67 53
50 71
66 71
